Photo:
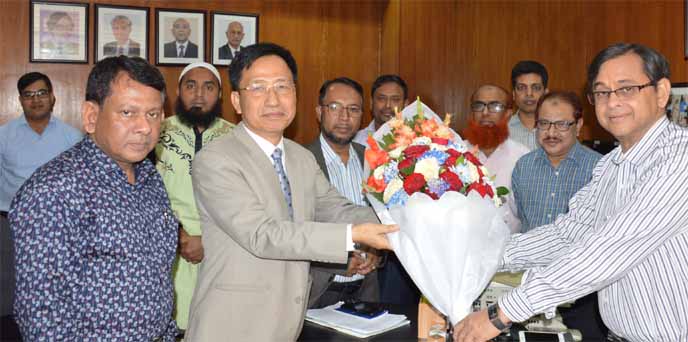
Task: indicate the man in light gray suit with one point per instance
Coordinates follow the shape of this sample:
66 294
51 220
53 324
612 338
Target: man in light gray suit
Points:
263 203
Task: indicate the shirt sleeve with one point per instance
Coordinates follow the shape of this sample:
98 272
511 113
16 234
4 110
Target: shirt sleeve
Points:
46 264
596 258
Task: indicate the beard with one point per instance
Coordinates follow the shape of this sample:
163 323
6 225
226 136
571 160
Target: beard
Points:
195 116
335 139
488 137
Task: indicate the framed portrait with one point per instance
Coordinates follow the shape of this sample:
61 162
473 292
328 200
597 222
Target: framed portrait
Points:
121 30
230 33
179 37
58 32
677 107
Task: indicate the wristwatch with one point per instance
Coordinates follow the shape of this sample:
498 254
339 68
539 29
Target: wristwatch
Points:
493 316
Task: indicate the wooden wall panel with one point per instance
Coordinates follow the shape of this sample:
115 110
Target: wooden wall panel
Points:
448 48
328 38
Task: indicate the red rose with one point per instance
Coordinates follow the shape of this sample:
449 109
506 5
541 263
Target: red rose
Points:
415 151
440 141
450 161
406 166
482 189
452 152
452 179
413 183
471 158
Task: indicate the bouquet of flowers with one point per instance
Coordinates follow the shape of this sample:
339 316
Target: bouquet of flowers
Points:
423 177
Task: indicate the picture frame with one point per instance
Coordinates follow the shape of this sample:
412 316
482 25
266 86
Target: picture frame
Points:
179 32
120 30
677 106
58 32
685 27
220 45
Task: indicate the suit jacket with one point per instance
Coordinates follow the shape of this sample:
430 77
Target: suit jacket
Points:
110 49
190 52
226 53
323 273
253 283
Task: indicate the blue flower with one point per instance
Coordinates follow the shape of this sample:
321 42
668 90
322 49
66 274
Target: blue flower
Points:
463 172
399 198
438 186
439 155
391 171
459 146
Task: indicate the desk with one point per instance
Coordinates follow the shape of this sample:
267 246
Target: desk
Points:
409 333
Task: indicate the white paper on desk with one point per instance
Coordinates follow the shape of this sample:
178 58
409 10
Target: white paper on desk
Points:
352 324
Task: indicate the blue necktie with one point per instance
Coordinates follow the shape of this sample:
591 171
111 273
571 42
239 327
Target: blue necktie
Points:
284 182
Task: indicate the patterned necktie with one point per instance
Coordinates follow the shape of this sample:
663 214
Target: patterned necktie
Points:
284 182
181 51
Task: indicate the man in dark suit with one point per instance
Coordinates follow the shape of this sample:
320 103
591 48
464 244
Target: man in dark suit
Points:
266 211
235 33
339 112
121 29
181 47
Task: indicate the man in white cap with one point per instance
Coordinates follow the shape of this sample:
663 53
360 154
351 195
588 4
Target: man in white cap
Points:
197 122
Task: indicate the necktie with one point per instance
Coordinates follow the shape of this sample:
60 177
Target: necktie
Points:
284 182
120 51
181 51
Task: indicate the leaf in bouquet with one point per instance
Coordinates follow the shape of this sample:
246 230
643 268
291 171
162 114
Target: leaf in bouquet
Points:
387 141
378 196
502 191
460 160
408 170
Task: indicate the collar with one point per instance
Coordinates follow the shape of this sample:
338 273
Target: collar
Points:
574 153
125 45
330 155
103 162
184 44
637 153
266 146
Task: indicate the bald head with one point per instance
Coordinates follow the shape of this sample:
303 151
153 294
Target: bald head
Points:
235 33
492 91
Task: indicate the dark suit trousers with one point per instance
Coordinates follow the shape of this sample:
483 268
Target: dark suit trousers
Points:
396 286
6 268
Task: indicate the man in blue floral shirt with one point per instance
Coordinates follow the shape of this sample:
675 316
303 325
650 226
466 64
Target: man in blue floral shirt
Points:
93 231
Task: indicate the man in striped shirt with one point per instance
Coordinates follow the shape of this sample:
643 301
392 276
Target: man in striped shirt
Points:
626 232
340 106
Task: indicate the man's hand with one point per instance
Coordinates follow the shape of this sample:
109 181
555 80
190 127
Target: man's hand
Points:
369 257
190 247
373 234
476 327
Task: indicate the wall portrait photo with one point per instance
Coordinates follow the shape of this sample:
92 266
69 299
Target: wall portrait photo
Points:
121 30
58 32
180 36
677 107
230 33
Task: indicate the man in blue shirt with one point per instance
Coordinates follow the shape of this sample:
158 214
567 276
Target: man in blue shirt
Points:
26 143
545 179
93 232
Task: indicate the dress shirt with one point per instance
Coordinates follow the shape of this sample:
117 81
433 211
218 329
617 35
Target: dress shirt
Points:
174 154
543 191
519 133
346 178
625 236
22 151
94 253
501 164
267 148
185 44
125 48
362 135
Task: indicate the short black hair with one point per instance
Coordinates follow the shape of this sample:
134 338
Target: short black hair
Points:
341 80
655 65
387 79
564 96
32 77
99 85
529 67
246 56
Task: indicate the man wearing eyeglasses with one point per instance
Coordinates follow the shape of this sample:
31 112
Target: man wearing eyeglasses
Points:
626 232
488 130
544 180
266 212
26 143
529 82
339 110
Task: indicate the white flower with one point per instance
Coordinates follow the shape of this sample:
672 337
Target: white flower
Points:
421 141
428 167
394 185
379 173
475 176
396 153
438 147
485 171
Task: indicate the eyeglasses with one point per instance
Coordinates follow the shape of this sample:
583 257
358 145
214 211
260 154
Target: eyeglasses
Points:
262 89
492 107
354 111
562 125
623 93
40 93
